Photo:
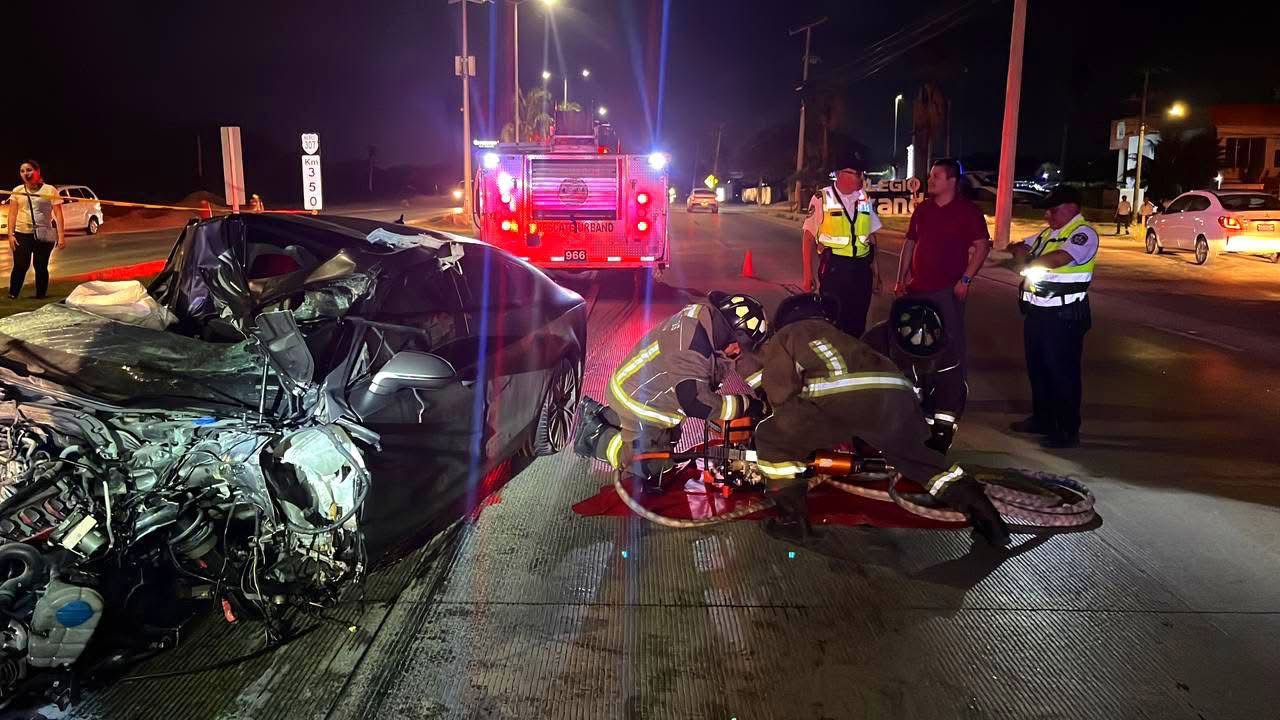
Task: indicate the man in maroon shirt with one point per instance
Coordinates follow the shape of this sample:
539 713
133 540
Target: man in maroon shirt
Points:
947 243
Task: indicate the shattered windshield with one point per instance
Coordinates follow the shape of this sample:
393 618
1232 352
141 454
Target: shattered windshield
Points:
127 364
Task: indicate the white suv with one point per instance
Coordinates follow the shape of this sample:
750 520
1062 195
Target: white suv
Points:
1206 222
80 209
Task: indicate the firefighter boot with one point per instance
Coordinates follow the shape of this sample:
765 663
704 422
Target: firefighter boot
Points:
792 521
967 496
593 425
943 434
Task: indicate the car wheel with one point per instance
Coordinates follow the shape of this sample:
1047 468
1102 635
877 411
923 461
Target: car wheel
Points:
1202 251
555 415
1153 245
92 227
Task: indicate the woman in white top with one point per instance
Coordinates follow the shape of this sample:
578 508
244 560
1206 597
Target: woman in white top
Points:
35 226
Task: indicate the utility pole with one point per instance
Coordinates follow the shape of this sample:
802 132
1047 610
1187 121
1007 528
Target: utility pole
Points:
515 33
1142 138
1009 129
894 157
465 67
716 165
808 32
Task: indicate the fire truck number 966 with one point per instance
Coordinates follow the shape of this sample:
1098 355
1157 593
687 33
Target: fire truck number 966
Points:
575 255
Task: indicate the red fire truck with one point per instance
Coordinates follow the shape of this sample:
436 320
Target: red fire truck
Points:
574 202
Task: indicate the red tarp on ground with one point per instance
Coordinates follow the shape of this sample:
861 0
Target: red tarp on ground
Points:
693 500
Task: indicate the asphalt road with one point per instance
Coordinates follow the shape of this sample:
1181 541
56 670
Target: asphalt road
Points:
1170 609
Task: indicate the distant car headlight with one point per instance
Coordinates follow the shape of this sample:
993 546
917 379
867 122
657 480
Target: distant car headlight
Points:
457 194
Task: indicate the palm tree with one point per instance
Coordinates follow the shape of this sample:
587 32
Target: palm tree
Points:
535 122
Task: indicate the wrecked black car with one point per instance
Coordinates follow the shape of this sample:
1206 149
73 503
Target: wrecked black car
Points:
326 391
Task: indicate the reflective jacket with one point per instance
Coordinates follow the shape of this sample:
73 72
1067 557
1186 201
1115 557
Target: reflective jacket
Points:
845 237
811 360
1064 285
674 372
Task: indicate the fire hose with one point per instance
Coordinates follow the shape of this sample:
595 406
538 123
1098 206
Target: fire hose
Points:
1043 500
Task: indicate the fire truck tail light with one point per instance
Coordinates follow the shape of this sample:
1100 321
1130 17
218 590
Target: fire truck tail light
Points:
506 225
642 198
642 226
533 228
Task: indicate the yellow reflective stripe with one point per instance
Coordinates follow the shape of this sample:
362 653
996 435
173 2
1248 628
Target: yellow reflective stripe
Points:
690 311
728 407
755 379
939 482
834 362
783 469
848 382
613 451
629 368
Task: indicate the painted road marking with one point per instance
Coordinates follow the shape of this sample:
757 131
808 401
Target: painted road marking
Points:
1191 335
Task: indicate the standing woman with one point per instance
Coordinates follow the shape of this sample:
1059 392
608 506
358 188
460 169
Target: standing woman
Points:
35 226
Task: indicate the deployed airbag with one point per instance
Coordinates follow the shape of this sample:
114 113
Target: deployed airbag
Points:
124 301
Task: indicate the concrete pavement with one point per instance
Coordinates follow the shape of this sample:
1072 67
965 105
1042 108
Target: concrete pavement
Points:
1170 609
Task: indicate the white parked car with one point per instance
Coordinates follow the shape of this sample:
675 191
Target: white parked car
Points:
80 209
1205 223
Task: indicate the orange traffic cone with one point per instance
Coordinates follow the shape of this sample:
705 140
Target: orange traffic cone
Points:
206 211
748 268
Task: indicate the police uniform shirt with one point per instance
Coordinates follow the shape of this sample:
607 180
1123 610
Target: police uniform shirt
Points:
814 222
1081 246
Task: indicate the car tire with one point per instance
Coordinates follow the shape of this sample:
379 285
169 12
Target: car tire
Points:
1202 251
1153 244
92 227
554 429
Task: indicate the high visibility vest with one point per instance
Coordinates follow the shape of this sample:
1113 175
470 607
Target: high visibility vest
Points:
1061 285
845 238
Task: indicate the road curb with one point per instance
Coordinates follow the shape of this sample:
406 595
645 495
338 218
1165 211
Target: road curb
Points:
119 272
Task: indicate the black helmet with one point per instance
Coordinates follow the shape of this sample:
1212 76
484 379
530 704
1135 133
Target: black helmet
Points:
802 307
745 315
917 328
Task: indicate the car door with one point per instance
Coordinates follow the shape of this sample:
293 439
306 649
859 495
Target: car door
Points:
1198 220
1169 224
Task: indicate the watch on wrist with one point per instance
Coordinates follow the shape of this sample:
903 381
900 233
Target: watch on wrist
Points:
966 279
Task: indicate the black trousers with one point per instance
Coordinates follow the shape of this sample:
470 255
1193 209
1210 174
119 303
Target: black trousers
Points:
27 249
1054 343
849 281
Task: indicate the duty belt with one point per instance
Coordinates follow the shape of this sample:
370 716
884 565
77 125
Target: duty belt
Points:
1055 301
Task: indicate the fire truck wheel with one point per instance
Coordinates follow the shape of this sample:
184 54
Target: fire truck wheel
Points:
559 405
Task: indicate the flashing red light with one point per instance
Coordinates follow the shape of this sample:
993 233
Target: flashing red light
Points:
642 226
602 150
642 198
1230 223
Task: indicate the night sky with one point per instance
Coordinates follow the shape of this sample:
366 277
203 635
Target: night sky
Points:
117 92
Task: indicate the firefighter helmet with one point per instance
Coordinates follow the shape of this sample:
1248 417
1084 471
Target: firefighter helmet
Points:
802 307
917 327
745 314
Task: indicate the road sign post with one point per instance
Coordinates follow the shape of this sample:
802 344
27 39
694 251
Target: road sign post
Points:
232 168
312 188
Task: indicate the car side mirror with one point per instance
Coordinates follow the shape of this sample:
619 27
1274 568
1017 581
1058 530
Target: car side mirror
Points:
406 370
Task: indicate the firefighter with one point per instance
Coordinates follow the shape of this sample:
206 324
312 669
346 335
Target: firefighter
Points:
916 338
673 373
826 387
843 222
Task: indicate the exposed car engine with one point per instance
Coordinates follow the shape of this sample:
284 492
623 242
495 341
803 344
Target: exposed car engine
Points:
133 514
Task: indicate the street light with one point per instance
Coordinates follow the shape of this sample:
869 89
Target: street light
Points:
585 73
895 135
546 75
603 111
1178 110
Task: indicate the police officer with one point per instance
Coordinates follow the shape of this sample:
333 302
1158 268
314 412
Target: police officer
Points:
1057 267
827 387
673 373
842 221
